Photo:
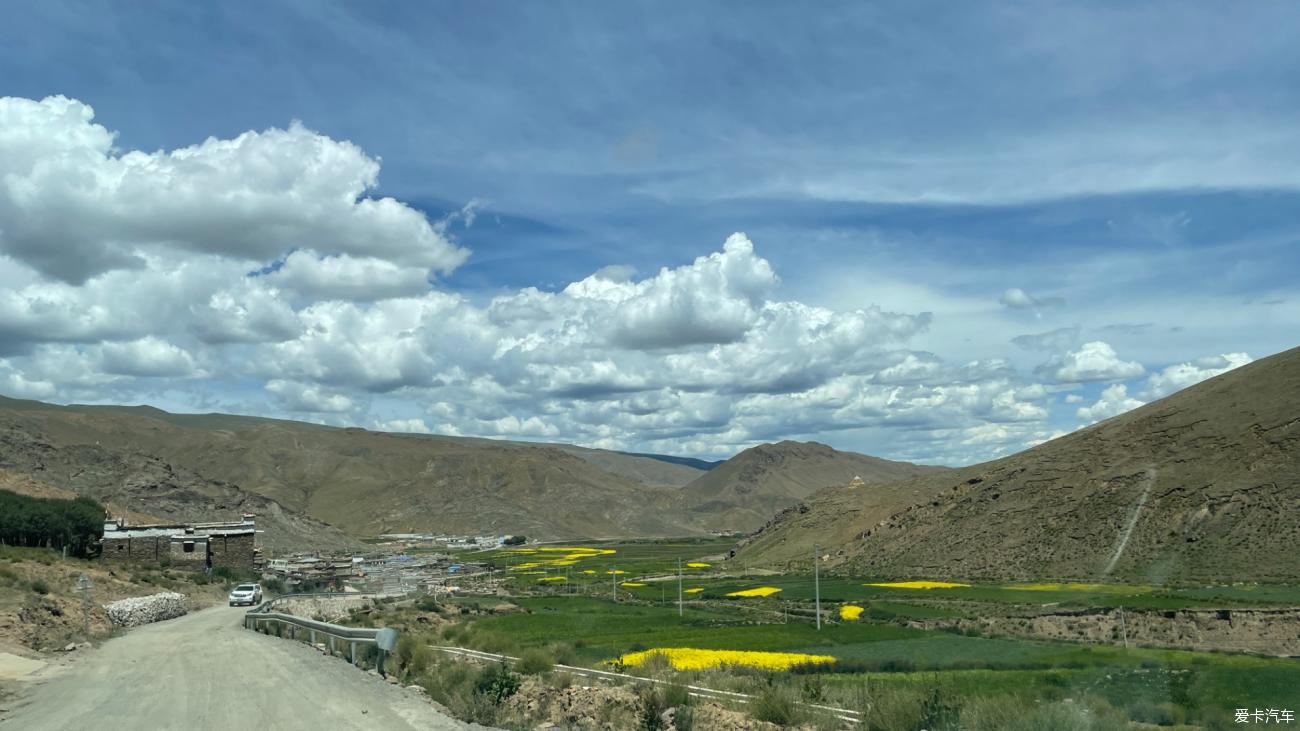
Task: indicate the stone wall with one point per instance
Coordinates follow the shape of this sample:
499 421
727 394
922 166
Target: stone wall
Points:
232 551
146 609
189 552
135 550
1262 631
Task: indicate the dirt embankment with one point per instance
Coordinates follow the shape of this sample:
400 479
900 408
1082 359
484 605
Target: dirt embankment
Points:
1261 631
41 609
608 707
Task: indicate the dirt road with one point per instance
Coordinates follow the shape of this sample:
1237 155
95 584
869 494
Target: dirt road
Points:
204 671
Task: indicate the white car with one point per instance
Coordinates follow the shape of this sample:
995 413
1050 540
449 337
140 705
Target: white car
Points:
246 594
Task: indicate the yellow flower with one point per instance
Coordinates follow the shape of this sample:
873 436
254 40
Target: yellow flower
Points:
698 565
850 612
919 585
616 572
551 578
588 571
696 590
758 591
631 583
689 658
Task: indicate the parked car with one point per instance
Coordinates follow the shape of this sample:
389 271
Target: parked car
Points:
246 594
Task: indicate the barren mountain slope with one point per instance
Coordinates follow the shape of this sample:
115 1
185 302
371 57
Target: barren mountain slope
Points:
147 487
1201 486
363 481
747 490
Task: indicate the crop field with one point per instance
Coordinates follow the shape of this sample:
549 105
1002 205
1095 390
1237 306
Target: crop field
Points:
738 621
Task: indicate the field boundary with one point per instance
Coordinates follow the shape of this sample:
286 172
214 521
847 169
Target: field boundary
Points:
695 691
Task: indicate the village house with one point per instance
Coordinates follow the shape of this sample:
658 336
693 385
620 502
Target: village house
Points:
193 546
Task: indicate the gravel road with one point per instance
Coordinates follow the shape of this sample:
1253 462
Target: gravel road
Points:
205 671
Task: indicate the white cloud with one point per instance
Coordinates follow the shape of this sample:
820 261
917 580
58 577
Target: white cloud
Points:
147 357
408 426
305 397
74 206
1093 361
1113 402
347 277
1180 376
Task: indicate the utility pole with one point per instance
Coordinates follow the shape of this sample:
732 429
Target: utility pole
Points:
817 587
679 588
1123 626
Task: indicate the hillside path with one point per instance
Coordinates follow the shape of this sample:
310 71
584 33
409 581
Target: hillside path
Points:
203 672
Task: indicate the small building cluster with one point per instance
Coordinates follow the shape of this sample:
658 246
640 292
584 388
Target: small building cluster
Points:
193 546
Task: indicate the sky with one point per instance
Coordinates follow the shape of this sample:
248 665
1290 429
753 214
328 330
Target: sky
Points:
935 232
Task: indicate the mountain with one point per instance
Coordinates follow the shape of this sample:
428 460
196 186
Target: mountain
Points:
1201 486
745 491
360 481
146 488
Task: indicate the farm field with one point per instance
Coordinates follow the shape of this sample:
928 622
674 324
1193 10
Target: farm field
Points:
894 658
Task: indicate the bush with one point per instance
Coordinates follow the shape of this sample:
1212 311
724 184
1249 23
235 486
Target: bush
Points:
676 695
40 587
775 705
535 662
652 709
273 586
496 683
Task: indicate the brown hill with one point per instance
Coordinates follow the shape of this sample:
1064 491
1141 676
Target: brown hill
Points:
1201 486
363 482
745 491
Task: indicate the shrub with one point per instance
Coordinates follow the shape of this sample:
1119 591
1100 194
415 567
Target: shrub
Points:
496 683
652 709
775 705
273 586
676 695
40 587
535 662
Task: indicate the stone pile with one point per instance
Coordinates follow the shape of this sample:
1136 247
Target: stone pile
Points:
146 609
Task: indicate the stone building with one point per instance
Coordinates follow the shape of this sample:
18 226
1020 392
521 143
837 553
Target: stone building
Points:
193 546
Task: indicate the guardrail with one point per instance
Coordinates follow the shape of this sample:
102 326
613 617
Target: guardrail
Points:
262 619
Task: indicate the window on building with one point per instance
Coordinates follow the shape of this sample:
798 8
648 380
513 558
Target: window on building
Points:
120 546
188 546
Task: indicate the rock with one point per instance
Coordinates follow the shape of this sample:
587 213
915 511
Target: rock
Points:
392 679
146 609
84 646
416 688
70 647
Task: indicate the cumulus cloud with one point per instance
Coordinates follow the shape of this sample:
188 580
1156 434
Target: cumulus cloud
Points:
147 357
74 206
1113 402
126 274
305 397
1180 376
1093 361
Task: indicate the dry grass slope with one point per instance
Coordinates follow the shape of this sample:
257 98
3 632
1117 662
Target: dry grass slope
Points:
1201 486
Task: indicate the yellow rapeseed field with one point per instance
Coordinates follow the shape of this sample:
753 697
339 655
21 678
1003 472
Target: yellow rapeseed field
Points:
631 583
551 578
689 658
919 585
589 571
696 590
850 612
698 565
616 572
758 591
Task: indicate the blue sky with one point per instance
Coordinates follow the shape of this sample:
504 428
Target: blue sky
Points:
967 227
